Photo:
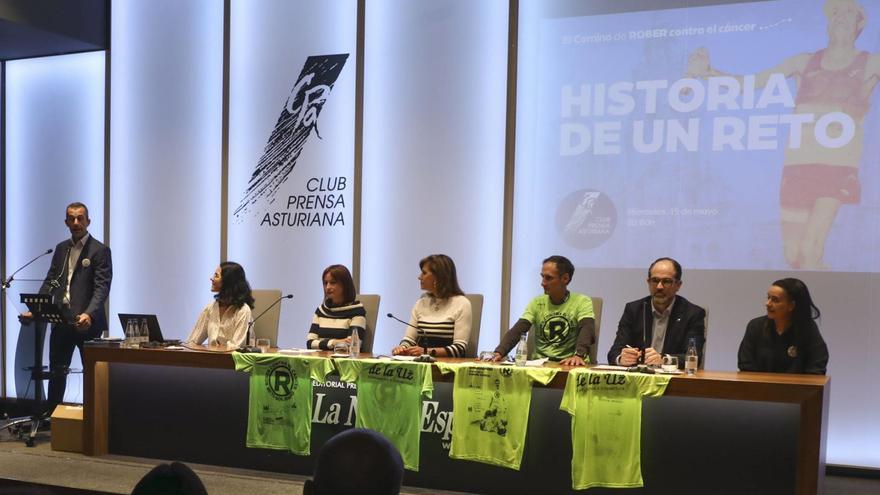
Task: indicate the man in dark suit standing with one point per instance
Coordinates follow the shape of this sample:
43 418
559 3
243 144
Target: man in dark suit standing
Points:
659 324
79 281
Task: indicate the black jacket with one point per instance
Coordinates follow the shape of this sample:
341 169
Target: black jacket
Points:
90 284
686 320
798 350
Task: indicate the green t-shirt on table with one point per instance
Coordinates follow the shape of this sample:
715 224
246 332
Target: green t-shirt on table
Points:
490 413
556 326
280 399
389 400
606 425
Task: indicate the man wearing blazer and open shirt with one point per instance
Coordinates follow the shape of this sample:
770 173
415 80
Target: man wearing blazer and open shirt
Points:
79 281
659 324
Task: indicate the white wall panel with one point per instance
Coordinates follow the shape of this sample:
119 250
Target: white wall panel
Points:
166 103
433 171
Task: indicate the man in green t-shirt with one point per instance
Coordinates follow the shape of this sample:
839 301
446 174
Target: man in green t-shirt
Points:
389 400
606 425
563 321
491 410
280 404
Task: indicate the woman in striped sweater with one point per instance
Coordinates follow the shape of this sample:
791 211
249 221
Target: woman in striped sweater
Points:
340 314
440 324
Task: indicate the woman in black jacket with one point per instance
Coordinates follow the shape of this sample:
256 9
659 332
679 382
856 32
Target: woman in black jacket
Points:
787 339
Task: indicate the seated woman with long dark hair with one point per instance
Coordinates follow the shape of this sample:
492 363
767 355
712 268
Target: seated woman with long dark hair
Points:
440 324
224 321
787 339
339 314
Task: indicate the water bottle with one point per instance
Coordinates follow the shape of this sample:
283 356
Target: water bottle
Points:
145 333
136 334
252 336
355 348
522 350
691 359
129 334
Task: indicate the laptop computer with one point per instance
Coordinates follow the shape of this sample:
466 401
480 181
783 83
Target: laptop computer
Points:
152 326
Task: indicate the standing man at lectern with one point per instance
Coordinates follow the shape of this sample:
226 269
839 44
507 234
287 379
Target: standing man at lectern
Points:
565 327
659 324
79 281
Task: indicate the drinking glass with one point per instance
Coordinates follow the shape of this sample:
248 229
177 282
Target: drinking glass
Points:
670 364
341 347
487 356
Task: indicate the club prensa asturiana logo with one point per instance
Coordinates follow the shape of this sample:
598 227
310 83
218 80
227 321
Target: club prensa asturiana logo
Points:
299 117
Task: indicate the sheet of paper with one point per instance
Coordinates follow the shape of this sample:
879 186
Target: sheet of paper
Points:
609 367
296 351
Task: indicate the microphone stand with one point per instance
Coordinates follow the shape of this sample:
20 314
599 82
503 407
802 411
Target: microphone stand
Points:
404 322
36 374
641 359
8 282
38 348
251 348
640 366
419 341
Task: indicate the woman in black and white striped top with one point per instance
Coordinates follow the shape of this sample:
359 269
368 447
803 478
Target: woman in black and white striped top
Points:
440 324
340 314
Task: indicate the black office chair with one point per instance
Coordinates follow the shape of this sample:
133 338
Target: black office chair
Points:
27 427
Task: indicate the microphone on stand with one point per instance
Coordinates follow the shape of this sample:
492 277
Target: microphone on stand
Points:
644 334
8 282
640 366
56 282
251 338
419 342
404 322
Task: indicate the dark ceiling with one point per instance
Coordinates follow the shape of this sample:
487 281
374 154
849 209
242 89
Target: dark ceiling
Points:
37 28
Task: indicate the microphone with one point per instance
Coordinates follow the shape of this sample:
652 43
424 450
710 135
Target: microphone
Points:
644 335
56 282
641 368
251 338
8 282
419 337
404 322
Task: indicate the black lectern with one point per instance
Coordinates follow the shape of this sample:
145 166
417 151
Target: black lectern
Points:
44 310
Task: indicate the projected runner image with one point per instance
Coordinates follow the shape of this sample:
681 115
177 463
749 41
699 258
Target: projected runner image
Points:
819 175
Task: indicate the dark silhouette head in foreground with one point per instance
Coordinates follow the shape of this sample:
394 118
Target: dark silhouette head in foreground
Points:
170 479
357 461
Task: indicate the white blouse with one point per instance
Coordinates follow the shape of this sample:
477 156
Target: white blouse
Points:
231 330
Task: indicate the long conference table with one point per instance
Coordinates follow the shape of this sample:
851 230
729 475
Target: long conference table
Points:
147 402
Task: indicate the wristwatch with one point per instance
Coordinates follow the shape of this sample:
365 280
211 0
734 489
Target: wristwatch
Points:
582 356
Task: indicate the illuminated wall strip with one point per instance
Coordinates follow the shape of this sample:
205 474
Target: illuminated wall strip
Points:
165 158
54 156
433 159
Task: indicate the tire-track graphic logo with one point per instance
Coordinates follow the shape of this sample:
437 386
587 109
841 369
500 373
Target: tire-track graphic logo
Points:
298 117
